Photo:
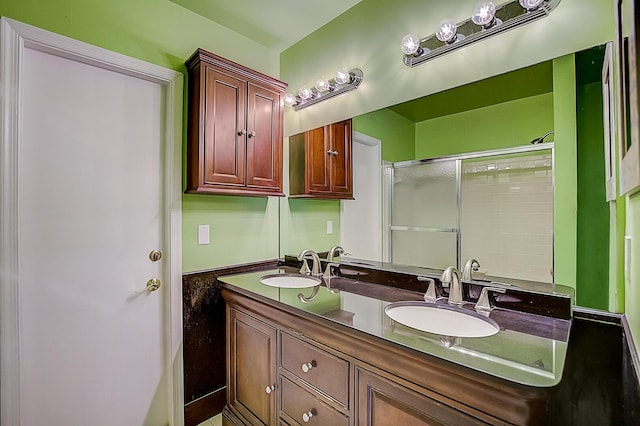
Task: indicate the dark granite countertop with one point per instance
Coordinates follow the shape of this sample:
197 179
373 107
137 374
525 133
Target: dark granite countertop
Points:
529 349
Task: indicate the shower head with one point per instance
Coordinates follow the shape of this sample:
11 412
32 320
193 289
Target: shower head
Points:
541 138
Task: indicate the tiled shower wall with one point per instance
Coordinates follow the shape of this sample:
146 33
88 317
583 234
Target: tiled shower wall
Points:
506 218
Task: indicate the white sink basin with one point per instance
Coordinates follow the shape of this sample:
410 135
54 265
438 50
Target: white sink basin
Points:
441 319
290 281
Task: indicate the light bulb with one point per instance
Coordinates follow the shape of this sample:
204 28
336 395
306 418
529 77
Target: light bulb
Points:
410 45
484 14
322 85
343 76
447 31
305 93
290 99
531 4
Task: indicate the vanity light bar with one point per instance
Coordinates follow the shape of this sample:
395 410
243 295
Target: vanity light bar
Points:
507 16
344 81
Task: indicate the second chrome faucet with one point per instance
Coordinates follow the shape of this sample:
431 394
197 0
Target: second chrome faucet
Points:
451 278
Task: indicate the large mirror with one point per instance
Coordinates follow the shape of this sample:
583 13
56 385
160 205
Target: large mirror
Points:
517 110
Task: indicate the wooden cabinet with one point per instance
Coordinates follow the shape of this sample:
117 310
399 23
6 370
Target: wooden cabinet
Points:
235 129
382 401
251 375
331 375
320 162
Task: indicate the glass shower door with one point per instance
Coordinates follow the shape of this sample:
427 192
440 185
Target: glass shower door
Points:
424 224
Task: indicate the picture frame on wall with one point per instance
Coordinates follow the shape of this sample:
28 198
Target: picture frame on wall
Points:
609 122
627 59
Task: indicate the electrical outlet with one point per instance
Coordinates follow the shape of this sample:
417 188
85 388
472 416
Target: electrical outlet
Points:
203 234
329 227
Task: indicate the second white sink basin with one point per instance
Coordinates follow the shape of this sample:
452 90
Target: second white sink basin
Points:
441 319
290 281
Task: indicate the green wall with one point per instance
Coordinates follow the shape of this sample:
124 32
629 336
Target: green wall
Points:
565 171
396 133
593 210
504 125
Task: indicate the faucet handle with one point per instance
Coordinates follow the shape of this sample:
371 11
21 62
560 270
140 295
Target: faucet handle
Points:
483 305
327 270
305 267
430 296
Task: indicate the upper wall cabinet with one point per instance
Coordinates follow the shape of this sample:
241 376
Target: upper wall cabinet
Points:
320 164
235 128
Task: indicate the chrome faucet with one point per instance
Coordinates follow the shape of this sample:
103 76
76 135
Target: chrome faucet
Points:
315 269
471 266
335 251
451 278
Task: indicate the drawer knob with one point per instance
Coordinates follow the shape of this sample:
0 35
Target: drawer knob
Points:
306 367
269 389
307 416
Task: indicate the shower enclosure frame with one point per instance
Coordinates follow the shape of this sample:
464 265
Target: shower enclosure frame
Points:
388 197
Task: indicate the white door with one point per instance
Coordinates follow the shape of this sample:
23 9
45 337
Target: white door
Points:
94 345
361 219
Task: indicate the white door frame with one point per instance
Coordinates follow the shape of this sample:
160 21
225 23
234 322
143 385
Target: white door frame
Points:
374 179
14 38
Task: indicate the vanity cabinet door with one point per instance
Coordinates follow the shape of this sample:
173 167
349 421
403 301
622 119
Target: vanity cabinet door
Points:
251 371
380 401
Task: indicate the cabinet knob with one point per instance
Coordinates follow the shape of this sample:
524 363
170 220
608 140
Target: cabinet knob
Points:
269 389
242 132
252 134
330 152
307 416
307 367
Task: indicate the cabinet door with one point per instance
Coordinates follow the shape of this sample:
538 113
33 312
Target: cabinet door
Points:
264 138
383 402
223 152
317 160
341 174
251 373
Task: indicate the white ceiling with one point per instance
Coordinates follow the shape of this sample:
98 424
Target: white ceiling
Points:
276 24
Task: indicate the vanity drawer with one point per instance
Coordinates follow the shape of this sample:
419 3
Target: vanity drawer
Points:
323 370
304 408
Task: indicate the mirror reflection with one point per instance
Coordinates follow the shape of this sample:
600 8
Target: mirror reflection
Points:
521 227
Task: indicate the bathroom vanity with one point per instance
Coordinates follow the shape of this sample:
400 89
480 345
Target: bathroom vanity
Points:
329 355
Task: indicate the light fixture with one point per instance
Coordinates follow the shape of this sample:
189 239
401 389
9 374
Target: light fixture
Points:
484 14
447 31
343 76
411 45
487 20
322 85
531 4
343 81
290 100
305 93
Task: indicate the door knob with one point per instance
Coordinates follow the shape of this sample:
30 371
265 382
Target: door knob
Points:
153 284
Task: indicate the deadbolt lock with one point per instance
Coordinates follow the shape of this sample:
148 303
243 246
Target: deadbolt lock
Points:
155 255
